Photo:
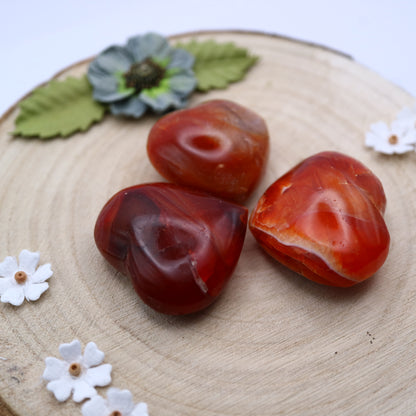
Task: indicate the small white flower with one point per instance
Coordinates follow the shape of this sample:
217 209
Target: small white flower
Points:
118 403
78 373
22 280
390 140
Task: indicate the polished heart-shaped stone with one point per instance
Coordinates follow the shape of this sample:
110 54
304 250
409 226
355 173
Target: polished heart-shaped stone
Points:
218 146
324 220
179 246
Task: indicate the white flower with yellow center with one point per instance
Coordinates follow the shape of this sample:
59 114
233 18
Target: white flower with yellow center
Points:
20 280
389 140
76 373
118 403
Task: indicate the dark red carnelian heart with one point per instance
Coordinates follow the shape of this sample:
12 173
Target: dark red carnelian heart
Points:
178 246
218 146
324 220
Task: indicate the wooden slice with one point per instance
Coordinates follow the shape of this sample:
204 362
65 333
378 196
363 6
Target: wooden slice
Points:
274 343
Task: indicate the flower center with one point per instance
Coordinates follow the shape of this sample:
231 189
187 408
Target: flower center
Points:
115 413
393 139
75 369
20 277
143 75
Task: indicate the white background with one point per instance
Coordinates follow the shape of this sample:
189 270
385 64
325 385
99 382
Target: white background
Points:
39 38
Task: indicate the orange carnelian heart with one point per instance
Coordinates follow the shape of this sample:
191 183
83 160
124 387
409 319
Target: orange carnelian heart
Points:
324 220
178 246
218 146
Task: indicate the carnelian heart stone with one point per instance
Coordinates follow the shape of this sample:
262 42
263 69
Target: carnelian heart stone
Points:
218 146
178 246
324 220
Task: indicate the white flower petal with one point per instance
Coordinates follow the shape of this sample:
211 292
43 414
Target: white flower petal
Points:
404 123
33 291
407 115
121 400
99 376
71 352
380 128
5 284
13 295
403 148
82 390
92 355
97 406
409 137
383 148
55 369
28 261
42 273
8 267
400 130
140 410
370 139
60 388
389 149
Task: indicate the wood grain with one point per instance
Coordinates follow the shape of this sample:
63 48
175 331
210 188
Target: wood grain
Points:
274 343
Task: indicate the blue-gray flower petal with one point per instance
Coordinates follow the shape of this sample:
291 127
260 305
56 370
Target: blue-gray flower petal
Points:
113 59
183 83
106 71
148 45
180 58
101 74
132 107
105 87
162 102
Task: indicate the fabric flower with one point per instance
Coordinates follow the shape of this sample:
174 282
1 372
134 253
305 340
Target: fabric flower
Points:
118 403
76 373
389 140
147 72
22 280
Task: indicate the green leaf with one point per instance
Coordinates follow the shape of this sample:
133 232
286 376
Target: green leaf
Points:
59 108
218 64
